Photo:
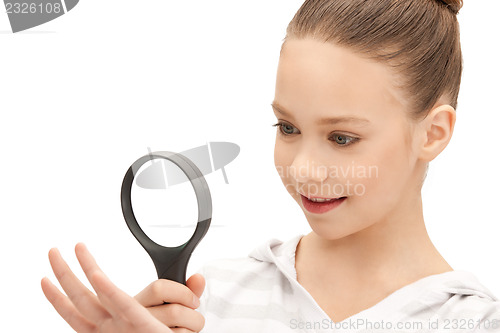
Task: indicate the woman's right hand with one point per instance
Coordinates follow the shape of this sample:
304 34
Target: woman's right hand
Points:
179 314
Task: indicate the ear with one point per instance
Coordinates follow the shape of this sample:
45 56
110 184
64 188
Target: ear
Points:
438 129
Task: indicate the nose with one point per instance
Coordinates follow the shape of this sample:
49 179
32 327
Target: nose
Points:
307 169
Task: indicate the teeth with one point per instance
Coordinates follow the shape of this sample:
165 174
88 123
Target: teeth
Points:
320 200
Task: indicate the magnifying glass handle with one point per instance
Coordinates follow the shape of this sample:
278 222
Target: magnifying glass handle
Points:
171 265
171 262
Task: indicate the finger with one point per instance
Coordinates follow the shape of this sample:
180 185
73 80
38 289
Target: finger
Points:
83 299
90 267
162 290
65 308
86 260
178 315
121 305
197 284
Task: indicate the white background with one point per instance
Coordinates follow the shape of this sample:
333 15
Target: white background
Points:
85 95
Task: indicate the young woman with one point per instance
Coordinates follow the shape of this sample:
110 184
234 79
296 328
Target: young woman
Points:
366 94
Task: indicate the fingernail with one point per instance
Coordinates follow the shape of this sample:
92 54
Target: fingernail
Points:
196 301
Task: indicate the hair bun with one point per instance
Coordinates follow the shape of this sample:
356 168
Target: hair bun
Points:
453 5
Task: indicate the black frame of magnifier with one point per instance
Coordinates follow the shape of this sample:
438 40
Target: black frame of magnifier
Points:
170 262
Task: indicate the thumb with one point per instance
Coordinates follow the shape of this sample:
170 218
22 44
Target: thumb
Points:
196 283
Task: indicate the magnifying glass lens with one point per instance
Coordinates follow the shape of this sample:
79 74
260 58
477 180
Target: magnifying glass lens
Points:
164 202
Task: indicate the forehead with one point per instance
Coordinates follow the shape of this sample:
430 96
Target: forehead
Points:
314 75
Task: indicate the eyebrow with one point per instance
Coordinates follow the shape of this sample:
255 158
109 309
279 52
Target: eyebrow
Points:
325 121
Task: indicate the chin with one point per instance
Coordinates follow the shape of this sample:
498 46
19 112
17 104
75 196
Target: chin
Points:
330 235
329 230
335 228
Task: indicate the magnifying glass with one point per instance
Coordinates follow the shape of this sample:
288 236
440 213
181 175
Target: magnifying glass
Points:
165 204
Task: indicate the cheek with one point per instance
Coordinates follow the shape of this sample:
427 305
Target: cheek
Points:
378 167
278 155
390 168
282 160
359 177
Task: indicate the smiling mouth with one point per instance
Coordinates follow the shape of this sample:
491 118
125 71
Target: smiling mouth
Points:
320 199
324 200
321 205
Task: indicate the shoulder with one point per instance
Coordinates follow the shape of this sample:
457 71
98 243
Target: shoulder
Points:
251 294
475 311
247 264
455 301
271 260
244 294
239 277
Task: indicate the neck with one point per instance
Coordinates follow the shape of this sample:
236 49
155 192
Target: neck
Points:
397 246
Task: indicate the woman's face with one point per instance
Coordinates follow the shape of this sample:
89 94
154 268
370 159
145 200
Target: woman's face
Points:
363 153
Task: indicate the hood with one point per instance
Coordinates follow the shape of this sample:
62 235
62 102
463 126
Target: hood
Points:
443 286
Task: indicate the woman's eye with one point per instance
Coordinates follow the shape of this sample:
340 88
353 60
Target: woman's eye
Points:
343 140
285 129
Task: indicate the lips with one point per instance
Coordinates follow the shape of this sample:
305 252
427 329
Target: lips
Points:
321 207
